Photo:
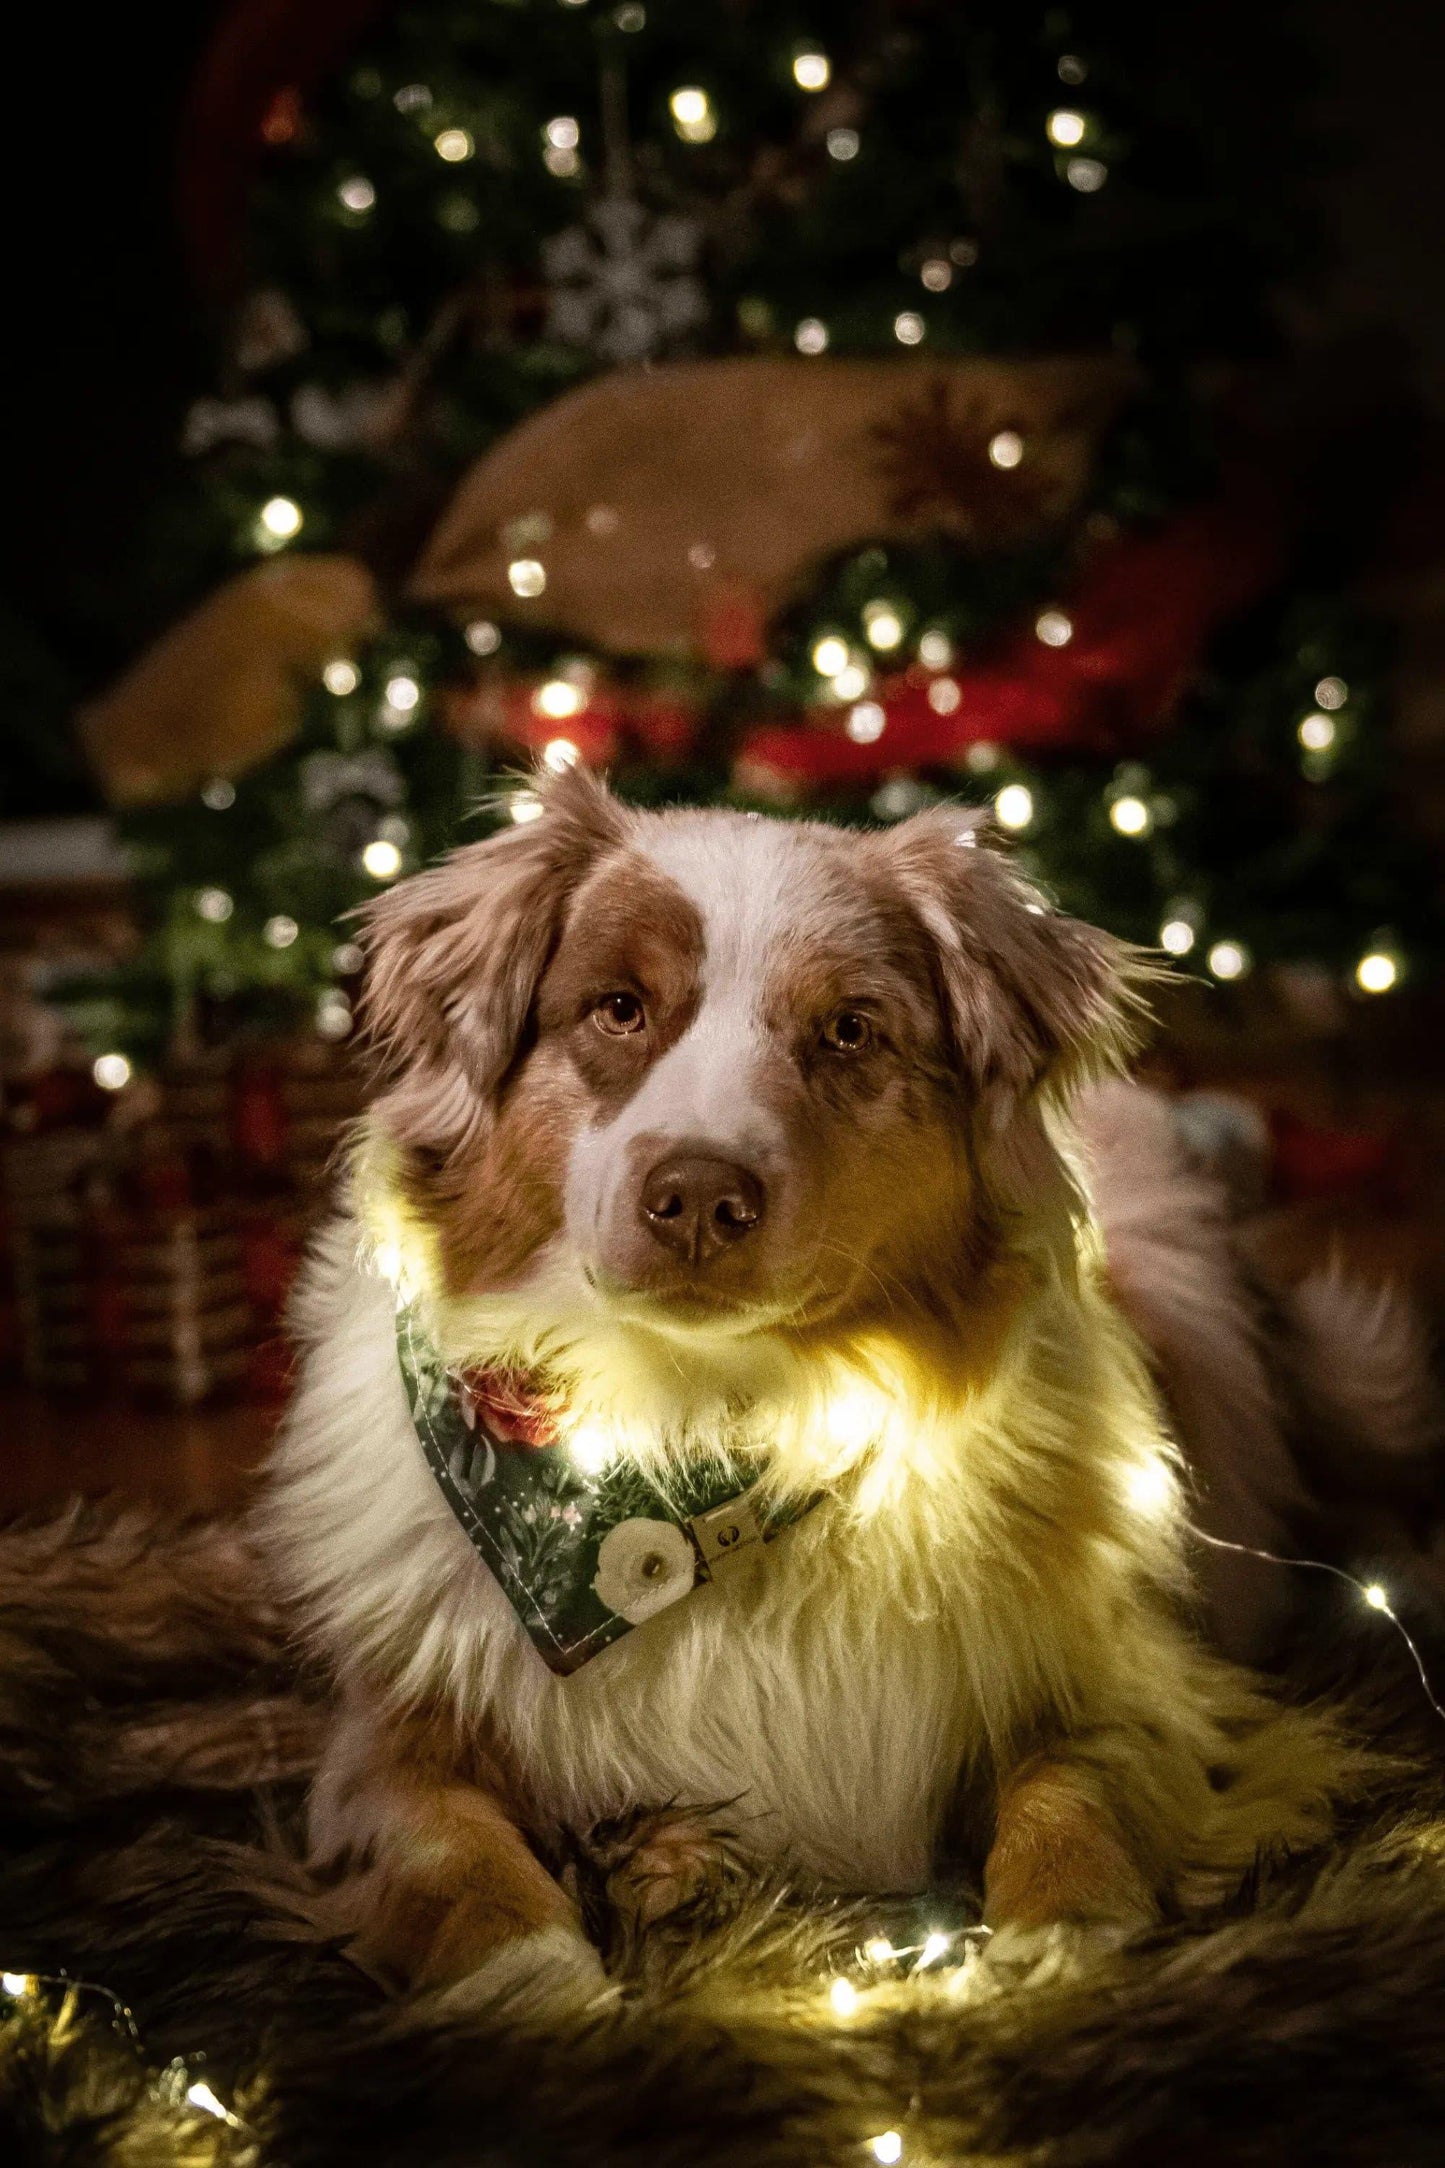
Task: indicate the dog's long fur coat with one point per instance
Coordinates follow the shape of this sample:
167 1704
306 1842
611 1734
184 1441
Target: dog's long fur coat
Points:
980 1642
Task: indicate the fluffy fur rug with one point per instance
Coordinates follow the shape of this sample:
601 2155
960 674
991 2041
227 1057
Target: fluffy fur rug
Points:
155 1738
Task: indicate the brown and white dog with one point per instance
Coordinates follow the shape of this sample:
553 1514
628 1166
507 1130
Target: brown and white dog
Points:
760 1130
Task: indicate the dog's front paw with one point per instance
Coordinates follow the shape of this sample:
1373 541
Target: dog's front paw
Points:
538 1981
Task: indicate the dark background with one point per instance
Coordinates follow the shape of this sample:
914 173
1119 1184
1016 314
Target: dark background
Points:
107 341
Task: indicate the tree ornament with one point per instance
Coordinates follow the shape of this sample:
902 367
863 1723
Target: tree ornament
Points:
624 283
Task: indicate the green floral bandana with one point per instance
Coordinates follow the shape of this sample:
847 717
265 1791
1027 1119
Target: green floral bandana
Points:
583 1555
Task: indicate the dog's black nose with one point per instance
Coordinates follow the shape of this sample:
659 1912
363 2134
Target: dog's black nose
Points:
698 1207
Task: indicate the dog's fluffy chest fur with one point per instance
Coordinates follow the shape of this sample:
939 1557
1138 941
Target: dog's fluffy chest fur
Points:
830 1689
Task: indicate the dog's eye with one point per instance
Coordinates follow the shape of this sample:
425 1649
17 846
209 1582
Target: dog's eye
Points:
619 1014
847 1033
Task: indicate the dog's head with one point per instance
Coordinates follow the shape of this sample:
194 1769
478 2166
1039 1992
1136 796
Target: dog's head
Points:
720 1075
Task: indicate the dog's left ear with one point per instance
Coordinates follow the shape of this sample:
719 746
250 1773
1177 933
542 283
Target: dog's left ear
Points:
1036 1001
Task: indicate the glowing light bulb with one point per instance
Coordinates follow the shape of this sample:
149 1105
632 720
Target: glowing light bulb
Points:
1014 806
882 625
692 115
1130 816
563 133
909 328
851 682
866 722
887 2147
200 2096
557 700
1331 692
1005 448
341 677
1228 959
935 650
811 336
1054 628
1376 1597
1317 733
1087 175
1376 973
454 145
844 1997
843 144
811 71
851 1420
879 1951
559 754
591 1448
402 692
17 1983
281 518
1177 936
830 655
934 1946
219 794
1149 1487
937 274
944 695
214 905
1066 128
280 932
526 577
333 1014
382 860
525 805
112 1072
357 194
482 636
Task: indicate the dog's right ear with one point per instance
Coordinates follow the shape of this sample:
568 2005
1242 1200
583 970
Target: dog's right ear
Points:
454 956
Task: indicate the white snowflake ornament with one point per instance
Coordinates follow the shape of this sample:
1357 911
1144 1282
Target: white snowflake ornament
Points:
624 283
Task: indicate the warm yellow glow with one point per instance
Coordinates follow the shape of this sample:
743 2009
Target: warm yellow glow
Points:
1006 448
357 194
944 695
811 335
1130 816
454 145
935 650
882 624
525 805
1150 1487
559 754
1228 959
1053 628
1376 1597
17 1983
852 1419
1066 128
1376 973
382 860
935 1946
281 518
592 1447
527 577
563 133
887 2147
1177 936
482 636
866 722
280 932
811 71
112 1072
692 115
937 274
851 682
1317 733
909 328
1014 805
402 693
214 906
879 1951
557 700
844 1997
830 655
341 677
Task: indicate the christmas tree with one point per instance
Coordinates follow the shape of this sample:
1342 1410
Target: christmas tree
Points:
819 409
